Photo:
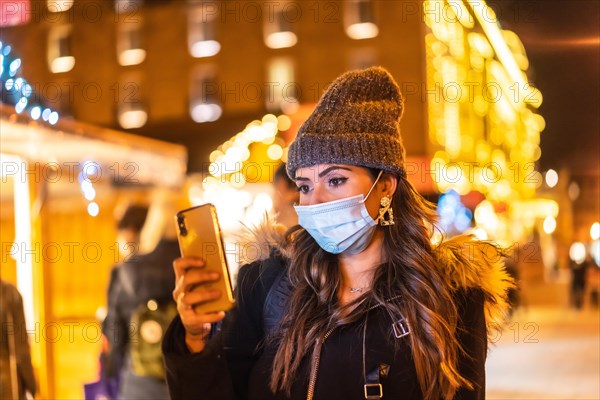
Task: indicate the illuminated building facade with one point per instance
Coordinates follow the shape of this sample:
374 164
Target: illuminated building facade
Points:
483 125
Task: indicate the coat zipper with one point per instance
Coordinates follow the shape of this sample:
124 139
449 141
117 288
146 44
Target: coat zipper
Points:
317 358
315 370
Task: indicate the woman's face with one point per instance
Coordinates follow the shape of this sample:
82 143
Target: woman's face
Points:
328 182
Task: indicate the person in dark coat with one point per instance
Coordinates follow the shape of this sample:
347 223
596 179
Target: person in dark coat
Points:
357 302
134 282
578 281
16 371
286 195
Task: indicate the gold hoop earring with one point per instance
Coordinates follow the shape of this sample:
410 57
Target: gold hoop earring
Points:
386 213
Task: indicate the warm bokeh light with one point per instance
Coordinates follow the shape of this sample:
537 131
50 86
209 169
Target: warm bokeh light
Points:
549 224
486 217
131 57
131 119
595 251
280 40
283 123
205 48
62 64
59 5
363 30
206 112
577 252
595 231
573 191
551 178
274 152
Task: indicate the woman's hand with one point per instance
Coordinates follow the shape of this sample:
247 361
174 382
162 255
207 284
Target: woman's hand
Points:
190 290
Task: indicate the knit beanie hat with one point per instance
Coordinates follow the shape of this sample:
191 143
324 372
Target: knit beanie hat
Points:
356 122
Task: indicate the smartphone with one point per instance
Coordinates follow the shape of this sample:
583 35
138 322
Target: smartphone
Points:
199 235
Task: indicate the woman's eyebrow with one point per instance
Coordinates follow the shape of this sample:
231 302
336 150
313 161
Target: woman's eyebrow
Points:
324 172
332 168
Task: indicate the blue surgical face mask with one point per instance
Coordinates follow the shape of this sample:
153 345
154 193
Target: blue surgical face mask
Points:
339 226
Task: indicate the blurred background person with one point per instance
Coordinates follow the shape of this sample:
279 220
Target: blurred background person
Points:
593 284
17 380
140 305
286 195
511 264
578 281
129 228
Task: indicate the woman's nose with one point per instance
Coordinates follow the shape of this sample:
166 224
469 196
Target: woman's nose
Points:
317 196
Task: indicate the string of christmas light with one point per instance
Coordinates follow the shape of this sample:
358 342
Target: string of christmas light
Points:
16 90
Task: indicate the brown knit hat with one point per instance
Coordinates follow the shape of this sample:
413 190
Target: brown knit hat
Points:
356 122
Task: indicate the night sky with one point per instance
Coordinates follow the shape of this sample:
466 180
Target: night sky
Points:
562 41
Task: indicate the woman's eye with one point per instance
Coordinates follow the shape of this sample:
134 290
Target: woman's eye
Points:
303 188
337 181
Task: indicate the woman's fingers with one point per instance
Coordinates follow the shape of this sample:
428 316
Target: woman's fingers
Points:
199 296
181 264
187 300
194 322
192 280
196 276
191 290
189 273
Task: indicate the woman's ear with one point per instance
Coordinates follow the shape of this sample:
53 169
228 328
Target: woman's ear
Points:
388 184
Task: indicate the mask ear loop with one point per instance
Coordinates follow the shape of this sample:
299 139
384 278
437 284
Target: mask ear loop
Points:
373 187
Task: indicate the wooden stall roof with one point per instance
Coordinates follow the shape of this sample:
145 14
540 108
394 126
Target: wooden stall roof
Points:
155 162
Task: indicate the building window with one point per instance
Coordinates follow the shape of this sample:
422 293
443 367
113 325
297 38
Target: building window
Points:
284 93
131 110
359 19
60 56
202 26
59 5
278 27
130 49
129 9
204 94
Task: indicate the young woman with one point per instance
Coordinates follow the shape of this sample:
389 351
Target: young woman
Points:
368 307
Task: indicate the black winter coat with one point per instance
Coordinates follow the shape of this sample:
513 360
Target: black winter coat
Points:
235 363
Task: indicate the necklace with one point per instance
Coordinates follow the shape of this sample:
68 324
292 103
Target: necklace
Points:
357 289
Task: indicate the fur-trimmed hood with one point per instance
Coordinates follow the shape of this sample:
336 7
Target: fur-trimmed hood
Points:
471 263
259 242
465 261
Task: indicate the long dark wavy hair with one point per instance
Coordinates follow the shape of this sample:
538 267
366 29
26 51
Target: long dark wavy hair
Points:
407 283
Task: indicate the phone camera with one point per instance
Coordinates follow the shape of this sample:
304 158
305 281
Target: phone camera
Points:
181 225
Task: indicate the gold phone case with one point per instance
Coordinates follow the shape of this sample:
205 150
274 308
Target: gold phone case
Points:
199 235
